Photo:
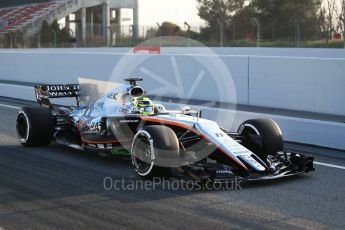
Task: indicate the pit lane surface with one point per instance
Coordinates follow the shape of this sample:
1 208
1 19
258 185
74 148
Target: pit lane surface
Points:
56 187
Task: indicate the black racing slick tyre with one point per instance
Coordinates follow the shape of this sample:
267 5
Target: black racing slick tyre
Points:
263 137
150 144
35 126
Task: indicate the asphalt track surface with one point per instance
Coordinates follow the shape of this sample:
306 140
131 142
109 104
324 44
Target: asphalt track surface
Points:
55 187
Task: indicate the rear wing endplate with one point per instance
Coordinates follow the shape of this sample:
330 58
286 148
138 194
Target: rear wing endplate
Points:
45 92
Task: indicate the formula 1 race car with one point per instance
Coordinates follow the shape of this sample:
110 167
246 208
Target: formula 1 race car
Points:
160 142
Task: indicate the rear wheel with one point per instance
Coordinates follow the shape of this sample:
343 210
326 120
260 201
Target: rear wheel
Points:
150 144
35 126
263 137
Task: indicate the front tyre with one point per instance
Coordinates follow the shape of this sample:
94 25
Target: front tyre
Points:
149 144
262 136
35 126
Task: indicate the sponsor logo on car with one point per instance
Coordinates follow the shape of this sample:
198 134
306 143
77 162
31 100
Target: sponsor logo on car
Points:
129 121
120 152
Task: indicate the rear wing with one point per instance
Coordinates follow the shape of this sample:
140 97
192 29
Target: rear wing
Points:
45 92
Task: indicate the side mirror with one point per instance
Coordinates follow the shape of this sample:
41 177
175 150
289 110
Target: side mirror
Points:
185 109
159 108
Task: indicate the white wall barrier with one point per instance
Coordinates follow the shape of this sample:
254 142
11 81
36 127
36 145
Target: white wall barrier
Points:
313 84
306 84
298 83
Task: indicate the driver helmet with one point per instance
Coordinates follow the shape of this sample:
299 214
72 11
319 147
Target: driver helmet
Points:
145 105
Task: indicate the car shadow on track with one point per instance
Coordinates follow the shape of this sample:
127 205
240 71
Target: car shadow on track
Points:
57 172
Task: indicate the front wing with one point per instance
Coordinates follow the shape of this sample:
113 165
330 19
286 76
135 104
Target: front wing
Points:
293 164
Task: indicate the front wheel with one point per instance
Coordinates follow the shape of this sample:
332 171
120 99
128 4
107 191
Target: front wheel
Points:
150 144
262 136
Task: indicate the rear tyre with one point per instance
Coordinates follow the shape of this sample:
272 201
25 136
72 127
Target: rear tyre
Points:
263 137
150 143
35 126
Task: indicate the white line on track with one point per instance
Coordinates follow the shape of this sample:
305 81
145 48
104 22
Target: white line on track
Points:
315 162
329 165
9 106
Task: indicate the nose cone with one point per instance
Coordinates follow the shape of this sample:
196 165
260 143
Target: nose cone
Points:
252 162
240 154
